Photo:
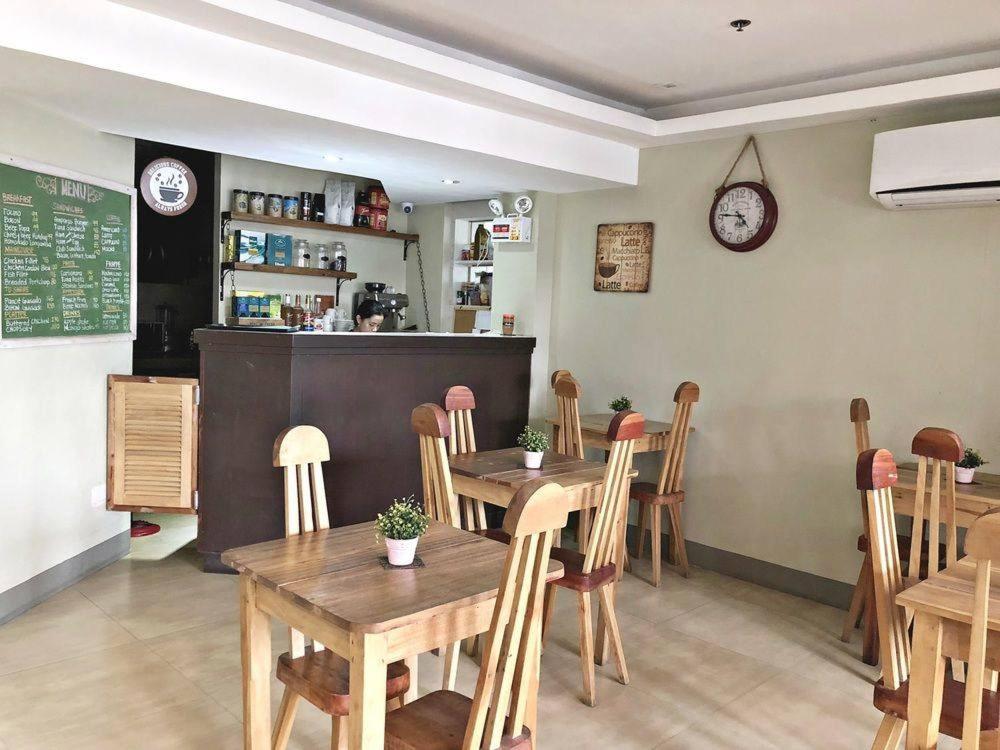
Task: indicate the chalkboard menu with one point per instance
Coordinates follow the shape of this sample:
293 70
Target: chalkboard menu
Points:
65 254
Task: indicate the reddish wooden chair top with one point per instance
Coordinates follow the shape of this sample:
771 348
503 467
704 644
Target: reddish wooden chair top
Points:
859 410
687 393
876 469
430 420
567 387
626 425
939 443
458 397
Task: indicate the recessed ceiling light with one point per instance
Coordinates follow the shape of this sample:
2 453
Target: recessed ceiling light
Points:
333 157
450 181
666 85
740 23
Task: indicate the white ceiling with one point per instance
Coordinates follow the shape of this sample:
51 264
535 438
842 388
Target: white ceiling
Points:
624 52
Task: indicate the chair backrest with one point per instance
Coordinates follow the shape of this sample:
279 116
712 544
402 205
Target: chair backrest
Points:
983 544
510 661
300 451
672 471
458 402
570 442
860 417
626 427
943 448
430 422
876 474
557 374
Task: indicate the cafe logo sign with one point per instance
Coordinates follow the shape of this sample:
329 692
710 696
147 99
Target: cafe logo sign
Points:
168 186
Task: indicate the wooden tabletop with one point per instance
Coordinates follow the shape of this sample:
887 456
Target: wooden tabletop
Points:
601 422
985 486
505 467
336 574
949 594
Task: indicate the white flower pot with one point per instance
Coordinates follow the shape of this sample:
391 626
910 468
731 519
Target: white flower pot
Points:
533 459
401 551
963 475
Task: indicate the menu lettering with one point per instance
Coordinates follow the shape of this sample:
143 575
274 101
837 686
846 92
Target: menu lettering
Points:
65 256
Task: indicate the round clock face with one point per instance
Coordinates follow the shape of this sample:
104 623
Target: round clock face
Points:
744 216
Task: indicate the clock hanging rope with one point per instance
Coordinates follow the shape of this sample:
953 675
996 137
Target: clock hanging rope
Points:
743 215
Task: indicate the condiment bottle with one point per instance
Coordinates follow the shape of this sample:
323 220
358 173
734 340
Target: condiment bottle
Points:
286 309
297 311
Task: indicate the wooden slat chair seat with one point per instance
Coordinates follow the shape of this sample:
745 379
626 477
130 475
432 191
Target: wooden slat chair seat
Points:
596 570
876 475
507 686
434 427
309 670
668 491
569 437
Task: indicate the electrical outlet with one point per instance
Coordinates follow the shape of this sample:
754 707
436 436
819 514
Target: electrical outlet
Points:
98 495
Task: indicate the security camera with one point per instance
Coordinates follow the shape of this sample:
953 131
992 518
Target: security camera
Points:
407 208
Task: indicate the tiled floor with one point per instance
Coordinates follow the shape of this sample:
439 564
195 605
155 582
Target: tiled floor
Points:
145 654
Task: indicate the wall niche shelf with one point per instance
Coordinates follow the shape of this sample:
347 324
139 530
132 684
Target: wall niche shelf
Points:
232 268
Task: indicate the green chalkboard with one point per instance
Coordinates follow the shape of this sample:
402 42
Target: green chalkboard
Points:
65 254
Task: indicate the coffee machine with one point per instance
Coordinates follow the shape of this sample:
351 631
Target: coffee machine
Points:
393 303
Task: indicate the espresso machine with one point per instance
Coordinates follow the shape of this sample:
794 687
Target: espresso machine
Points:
393 303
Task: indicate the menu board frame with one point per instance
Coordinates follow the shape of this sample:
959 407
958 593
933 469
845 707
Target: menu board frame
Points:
95 338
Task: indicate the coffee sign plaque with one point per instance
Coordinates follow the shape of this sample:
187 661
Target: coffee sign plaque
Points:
624 256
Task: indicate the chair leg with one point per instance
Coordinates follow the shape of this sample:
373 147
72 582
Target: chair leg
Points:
611 621
450 665
286 716
677 537
857 604
643 511
547 610
587 649
869 643
341 733
890 732
655 530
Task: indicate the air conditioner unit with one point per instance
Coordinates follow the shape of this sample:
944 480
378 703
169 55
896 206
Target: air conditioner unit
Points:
952 164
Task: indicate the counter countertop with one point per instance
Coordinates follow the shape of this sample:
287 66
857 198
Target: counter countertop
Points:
397 340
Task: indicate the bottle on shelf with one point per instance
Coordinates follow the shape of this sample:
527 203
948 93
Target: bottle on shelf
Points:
297 311
286 309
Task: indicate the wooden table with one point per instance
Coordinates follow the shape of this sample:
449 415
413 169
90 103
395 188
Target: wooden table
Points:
594 428
494 476
942 607
971 500
330 585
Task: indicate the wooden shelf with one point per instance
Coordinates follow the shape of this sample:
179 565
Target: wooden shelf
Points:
293 270
473 307
474 263
318 225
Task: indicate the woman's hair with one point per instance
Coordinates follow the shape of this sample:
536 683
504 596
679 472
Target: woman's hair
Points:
369 308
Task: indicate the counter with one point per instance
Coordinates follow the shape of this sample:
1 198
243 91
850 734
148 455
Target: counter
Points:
359 389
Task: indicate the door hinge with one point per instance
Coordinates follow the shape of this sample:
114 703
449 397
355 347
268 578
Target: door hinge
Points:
195 499
197 395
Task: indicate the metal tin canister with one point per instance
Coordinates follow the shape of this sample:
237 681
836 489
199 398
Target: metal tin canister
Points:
241 201
305 206
274 205
290 207
257 203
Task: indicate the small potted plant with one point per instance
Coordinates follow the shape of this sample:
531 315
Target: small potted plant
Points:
401 526
622 403
534 443
966 468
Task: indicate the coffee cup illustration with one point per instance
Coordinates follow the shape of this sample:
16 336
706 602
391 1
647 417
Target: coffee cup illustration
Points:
607 269
169 194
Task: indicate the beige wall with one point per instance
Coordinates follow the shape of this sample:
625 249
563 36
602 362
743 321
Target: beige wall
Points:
52 398
846 299
373 259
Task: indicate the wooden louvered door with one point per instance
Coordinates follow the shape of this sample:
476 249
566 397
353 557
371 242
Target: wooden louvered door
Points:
152 444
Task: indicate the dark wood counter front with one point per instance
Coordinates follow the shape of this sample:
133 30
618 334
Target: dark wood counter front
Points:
359 390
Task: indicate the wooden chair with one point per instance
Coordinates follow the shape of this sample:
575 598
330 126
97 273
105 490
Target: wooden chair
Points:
458 402
507 688
569 436
310 670
943 448
982 543
667 492
433 426
876 474
596 570
862 605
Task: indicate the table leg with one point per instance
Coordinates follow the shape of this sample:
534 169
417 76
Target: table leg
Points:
926 683
411 663
255 638
368 675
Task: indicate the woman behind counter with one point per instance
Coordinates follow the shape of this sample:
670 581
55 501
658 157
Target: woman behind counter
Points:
368 317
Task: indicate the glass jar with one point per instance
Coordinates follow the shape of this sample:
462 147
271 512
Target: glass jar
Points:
301 251
339 251
321 255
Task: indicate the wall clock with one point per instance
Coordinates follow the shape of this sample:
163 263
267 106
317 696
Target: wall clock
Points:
743 216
